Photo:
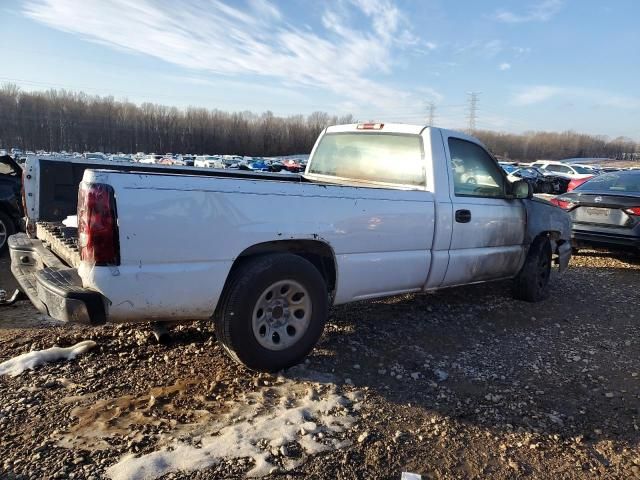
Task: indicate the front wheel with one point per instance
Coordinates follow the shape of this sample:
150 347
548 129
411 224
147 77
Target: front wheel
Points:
272 311
532 283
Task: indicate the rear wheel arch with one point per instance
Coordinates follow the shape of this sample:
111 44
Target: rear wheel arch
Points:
319 253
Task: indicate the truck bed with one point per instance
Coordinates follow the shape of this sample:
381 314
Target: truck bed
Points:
56 182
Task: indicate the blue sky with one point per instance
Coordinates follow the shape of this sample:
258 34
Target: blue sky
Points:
539 65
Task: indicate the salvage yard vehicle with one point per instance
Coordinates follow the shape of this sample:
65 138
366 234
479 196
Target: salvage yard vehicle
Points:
208 161
10 200
605 210
540 181
568 170
382 214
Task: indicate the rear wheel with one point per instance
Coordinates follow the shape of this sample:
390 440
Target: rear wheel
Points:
532 282
7 228
272 311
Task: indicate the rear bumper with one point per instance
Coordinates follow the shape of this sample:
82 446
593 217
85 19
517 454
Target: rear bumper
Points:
53 288
596 238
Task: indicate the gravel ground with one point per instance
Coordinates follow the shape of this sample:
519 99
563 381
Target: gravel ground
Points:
464 383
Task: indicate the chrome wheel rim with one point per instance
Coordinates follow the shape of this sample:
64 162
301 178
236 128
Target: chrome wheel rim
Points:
3 233
281 315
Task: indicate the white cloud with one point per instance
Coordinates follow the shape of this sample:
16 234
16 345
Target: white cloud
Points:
504 66
263 7
535 94
586 96
539 12
521 51
210 36
488 49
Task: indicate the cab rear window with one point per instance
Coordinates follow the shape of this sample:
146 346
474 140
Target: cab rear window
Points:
371 157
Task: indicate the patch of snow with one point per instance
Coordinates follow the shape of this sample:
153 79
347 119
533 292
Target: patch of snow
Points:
264 423
410 476
30 360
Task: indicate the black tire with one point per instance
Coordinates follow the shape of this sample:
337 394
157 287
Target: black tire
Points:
531 284
234 318
7 228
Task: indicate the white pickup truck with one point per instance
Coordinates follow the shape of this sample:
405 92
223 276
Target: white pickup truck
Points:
381 209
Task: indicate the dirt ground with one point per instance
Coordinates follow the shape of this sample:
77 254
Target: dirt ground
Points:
464 383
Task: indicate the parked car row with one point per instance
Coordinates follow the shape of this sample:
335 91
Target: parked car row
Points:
295 164
554 177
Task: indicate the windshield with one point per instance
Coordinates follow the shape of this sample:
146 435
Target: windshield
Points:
373 157
582 170
615 182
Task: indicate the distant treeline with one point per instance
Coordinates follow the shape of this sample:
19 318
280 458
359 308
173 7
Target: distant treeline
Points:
558 146
58 120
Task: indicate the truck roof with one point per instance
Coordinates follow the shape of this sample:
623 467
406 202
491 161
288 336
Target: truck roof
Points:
398 128
379 127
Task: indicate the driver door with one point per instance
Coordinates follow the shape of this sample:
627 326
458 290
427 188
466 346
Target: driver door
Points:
488 229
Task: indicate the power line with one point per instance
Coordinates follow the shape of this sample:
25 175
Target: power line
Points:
473 110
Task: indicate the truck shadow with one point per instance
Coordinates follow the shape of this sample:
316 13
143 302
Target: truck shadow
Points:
566 366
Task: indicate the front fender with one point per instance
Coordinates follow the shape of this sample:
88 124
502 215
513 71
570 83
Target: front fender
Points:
545 218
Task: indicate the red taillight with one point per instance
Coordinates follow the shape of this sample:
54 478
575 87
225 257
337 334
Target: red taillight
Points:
633 211
564 204
576 182
370 126
97 228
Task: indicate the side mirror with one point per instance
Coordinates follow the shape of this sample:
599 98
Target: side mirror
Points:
522 189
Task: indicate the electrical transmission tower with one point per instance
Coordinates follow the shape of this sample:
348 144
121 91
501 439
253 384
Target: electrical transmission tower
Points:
432 114
473 110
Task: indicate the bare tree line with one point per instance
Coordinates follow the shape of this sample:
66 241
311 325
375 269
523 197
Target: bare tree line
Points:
58 120
557 145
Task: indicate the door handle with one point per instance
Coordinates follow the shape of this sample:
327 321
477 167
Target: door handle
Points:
463 216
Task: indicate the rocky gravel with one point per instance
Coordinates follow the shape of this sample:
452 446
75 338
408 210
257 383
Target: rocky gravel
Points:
463 383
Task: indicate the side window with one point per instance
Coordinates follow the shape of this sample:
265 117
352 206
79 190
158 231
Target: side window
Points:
475 173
